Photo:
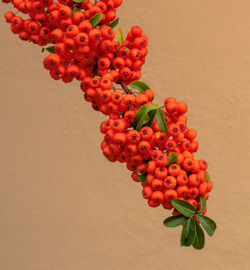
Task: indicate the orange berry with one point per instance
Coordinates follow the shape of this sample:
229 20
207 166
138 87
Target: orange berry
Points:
182 179
187 154
150 94
157 184
142 168
131 149
203 164
161 172
196 167
170 145
157 197
150 178
171 107
119 125
162 160
169 100
180 158
170 182
129 100
191 134
136 159
141 99
170 195
203 189
194 145
182 191
151 166
167 205
72 30
209 185
182 107
146 133
173 130
133 136
193 192
193 180
119 138
160 137
129 116
151 203
146 192
144 147
174 169
136 31
202 176
188 164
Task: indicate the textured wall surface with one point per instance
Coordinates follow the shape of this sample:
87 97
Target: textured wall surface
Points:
64 207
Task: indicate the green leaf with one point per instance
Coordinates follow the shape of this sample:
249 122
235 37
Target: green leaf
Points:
78 1
207 223
183 207
199 241
188 233
141 177
120 37
74 10
203 205
139 85
142 116
175 221
161 121
207 175
114 23
96 19
172 158
151 115
50 49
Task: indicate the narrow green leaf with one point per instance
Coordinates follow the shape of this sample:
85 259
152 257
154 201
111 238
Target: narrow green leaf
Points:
78 1
199 241
202 205
114 23
208 224
188 233
172 158
183 207
50 49
146 119
120 37
207 175
161 121
139 85
74 10
141 177
175 221
151 117
96 19
142 115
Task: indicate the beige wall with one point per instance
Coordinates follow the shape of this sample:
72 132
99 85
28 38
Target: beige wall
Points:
64 207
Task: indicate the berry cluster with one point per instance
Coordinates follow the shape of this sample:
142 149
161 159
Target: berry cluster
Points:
83 52
147 152
155 143
48 17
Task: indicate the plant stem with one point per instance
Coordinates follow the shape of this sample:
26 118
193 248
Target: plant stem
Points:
125 87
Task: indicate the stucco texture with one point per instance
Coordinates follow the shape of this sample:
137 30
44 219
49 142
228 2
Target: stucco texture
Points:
63 206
